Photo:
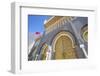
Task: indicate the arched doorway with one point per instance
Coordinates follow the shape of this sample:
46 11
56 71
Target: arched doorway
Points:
44 50
84 33
64 46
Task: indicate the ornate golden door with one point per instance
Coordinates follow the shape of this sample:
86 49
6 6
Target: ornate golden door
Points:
64 48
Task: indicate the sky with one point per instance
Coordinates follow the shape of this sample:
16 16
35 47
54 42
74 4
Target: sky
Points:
36 23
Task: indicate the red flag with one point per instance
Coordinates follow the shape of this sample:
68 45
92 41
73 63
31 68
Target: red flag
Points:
37 32
37 35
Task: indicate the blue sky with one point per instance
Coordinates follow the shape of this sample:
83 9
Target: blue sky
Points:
36 23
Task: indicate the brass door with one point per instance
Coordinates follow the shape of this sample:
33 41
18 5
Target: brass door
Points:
64 49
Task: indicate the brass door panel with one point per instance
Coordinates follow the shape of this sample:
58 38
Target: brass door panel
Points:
64 49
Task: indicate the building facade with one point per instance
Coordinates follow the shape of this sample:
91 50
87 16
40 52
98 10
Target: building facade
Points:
65 37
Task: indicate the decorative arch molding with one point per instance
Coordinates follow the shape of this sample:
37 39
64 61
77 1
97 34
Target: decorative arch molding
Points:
63 33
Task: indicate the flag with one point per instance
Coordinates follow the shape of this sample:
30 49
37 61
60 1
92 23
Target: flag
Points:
37 35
